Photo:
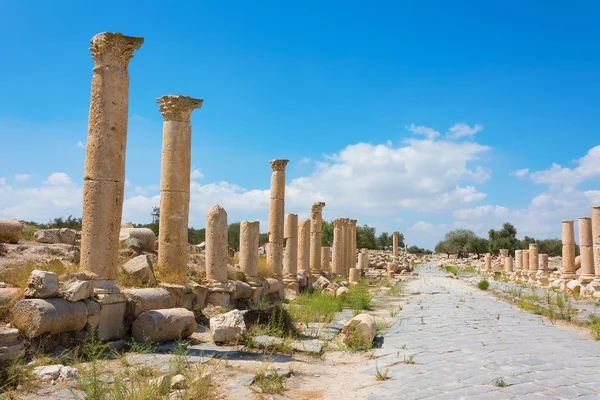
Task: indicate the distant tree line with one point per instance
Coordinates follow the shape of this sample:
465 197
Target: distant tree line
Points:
60 222
464 241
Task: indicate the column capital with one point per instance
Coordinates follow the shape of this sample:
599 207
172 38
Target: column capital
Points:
353 223
338 222
278 165
316 209
114 48
175 107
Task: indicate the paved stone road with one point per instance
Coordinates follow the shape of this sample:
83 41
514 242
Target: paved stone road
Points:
464 340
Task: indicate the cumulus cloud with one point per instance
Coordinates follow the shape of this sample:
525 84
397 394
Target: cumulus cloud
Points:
461 129
521 173
80 144
429 133
22 177
2 181
197 174
588 168
58 179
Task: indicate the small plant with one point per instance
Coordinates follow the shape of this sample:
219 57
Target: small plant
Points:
268 380
394 311
358 298
409 360
500 383
90 381
381 376
498 317
483 284
381 325
595 325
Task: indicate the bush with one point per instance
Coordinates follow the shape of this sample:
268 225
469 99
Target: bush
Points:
358 298
483 284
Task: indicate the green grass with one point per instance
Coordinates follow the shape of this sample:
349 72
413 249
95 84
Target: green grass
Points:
483 284
595 325
451 269
315 307
358 298
500 383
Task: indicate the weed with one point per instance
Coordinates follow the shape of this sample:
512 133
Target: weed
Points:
381 325
268 380
595 325
314 307
358 298
381 376
16 373
409 360
90 382
451 269
394 311
500 383
483 284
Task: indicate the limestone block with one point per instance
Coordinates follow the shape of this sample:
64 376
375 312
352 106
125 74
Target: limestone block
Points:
200 292
11 351
111 325
176 291
321 283
10 231
156 326
140 268
145 235
242 290
140 300
132 244
574 286
216 244
48 372
67 236
93 311
49 236
101 213
7 296
342 290
227 327
354 275
35 317
274 286
42 284
76 290
219 298
302 277
360 330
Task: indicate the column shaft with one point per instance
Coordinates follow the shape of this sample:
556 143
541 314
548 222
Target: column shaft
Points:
217 252
276 216
533 261
568 251
586 250
316 227
325 258
338 245
304 245
290 258
249 237
395 244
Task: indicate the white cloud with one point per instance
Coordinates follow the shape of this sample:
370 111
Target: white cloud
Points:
429 133
59 179
80 144
521 173
22 177
197 174
305 160
588 168
2 181
461 129
421 226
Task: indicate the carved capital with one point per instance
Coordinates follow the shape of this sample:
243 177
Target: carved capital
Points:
337 223
278 165
316 209
114 48
353 223
175 107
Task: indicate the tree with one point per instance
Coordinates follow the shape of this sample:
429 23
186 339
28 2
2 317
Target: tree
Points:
233 234
552 247
365 237
506 238
456 241
263 239
526 241
196 236
442 247
418 250
384 240
327 234
477 245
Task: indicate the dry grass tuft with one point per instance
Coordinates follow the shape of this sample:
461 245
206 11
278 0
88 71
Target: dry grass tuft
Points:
169 275
263 270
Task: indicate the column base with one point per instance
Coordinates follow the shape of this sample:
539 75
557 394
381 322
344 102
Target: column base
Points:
542 278
587 278
219 294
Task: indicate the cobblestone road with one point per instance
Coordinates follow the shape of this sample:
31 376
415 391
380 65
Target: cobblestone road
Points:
464 343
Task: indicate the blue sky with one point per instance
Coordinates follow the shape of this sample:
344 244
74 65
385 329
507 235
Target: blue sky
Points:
333 86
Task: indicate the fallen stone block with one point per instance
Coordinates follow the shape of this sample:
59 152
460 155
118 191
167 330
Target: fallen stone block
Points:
359 331
48 236
77 290
8 296
267 341
227 327
111 320
10 231
313 346
48 372
35 317
140 300
42 284
140 268
321 283
200 292
342 290
176 291
145 235
67 236
241 290
157 326
11 351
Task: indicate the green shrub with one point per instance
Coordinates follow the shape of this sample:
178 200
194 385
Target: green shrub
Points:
483 284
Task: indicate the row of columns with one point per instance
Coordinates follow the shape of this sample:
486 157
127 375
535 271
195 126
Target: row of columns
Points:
344 246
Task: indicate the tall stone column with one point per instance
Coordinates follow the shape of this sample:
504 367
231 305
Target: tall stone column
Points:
533 262
249 238
596 245
542 274
508 265
276 215
104 171
395 243
338 247
352 243
304 245
346 239
316 228
568 252
365 261
175 184
488 263
525 270
325 258
217 255
518 263
586 250
290 258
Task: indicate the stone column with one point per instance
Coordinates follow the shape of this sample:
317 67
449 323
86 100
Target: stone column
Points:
353 276
338 247
525 270
586 250
276 215
596 245
304 245
249 235
290 258
352 243
488 263
568 252
395 243
217 255
533 262
104 171
518 263
325 258
542 274
175 185
503 255
362 260
365 263
346 239
508 265
316 227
